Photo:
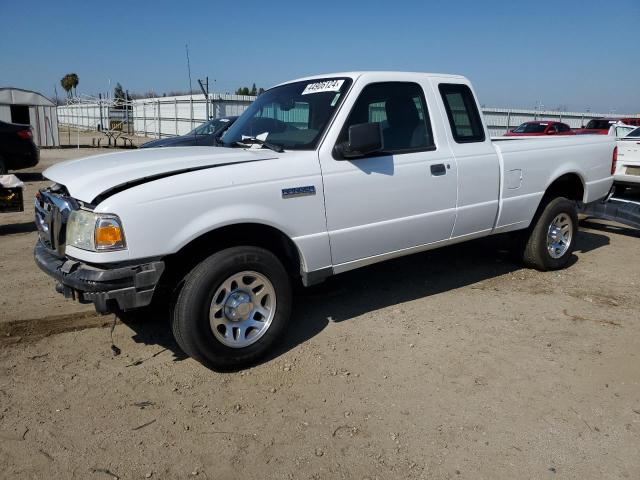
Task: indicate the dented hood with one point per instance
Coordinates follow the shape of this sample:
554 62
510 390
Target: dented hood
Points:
91 177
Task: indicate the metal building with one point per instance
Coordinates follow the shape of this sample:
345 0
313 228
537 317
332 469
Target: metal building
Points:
31 108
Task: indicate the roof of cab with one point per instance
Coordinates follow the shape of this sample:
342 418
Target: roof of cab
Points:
357 74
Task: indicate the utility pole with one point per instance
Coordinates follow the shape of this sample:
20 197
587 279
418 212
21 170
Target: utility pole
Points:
186 47
100 107
204 86
126 111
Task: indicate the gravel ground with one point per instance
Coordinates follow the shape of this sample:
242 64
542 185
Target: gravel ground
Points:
25 292
455 363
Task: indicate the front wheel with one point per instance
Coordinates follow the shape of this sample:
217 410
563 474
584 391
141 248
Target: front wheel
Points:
232 308
552 236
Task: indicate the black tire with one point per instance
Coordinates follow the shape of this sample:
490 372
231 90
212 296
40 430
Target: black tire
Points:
190 315
536 254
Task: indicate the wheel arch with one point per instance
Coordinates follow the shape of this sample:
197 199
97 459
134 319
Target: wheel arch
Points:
247 233
570 185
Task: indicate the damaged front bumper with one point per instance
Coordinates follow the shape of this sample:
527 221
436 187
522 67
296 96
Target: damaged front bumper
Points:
109 289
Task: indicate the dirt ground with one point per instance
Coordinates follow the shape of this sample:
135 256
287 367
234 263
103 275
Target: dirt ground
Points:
25 292
455 363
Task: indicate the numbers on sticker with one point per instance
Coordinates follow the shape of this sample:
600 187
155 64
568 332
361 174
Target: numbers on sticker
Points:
326 86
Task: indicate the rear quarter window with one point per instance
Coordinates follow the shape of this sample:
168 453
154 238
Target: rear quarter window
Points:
462 111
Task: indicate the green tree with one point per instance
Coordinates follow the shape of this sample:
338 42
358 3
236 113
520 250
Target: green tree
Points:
254 90
66 84
118 92
69 82
75 81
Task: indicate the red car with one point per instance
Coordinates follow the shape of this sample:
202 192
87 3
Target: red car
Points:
631 121
539 128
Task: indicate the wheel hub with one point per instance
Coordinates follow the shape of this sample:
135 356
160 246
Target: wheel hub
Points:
559 235
238 306
242 309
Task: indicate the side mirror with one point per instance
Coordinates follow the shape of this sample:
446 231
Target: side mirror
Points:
364 139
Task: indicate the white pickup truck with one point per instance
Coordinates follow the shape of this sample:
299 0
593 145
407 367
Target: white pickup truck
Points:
319 176
627 172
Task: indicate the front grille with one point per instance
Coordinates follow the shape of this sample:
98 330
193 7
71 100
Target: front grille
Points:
52 209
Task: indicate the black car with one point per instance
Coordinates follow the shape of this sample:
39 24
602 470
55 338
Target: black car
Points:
204 135
17 149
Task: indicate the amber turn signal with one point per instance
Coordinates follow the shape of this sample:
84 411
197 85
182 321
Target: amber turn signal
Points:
109 234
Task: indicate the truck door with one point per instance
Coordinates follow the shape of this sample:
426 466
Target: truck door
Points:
392 201
476 158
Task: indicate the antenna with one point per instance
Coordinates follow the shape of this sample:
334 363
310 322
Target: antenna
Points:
186 46
204 86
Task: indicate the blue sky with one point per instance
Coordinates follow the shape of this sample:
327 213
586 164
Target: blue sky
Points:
582 54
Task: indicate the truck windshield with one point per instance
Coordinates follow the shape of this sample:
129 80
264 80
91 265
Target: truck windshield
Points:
531 128
291 116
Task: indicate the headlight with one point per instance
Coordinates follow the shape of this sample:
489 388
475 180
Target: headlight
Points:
95 231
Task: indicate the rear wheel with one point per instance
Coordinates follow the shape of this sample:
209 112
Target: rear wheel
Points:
551 238
232 308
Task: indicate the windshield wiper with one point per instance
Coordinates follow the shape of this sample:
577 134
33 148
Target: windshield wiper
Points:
251 140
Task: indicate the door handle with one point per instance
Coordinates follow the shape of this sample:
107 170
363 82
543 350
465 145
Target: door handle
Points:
438 169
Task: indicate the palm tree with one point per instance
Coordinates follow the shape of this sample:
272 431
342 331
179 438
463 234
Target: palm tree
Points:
70 81
75 81
66 84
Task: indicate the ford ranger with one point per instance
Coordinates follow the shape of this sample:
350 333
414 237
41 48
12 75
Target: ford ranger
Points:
318 176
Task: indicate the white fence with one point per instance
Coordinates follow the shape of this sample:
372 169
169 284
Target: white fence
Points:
87 116
157 117
500 120
169 116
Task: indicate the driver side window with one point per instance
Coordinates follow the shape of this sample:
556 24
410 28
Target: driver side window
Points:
401 111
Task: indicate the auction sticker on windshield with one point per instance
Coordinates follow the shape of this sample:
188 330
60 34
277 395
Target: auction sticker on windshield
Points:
326 86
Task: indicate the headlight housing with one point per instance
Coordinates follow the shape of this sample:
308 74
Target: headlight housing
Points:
96 232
